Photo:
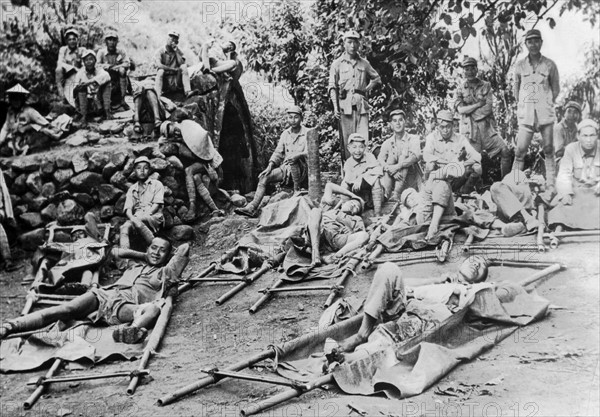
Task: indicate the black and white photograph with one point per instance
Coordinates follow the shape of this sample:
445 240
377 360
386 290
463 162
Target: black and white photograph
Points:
317 208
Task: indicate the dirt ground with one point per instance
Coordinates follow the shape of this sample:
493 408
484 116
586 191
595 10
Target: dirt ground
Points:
549 368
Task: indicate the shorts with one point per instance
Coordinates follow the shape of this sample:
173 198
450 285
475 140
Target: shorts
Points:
435 192
334 239
109 303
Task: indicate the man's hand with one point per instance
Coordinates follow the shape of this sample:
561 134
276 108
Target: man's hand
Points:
266 171
356 187
336 112
291 159
482 102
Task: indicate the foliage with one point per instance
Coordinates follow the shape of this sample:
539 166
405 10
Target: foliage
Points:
586 88
268 122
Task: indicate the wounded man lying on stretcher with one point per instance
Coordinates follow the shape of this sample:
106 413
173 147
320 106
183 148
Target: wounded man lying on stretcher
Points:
406 312
134 301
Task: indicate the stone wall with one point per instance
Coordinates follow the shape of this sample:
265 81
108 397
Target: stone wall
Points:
63 186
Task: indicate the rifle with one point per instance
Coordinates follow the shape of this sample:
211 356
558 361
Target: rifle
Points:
374 249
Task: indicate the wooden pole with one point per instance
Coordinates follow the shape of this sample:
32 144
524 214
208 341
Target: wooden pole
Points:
29 402
315 190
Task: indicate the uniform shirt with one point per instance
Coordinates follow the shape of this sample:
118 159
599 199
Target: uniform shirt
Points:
537 89
290 143
172 58
107 59
563 135
66 56
578 169
391 153
443 152
469 93
337 222
367 168
100 76
141 200
19 121
350 75
146 282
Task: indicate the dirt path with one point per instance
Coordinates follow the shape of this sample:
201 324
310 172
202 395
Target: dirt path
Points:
548 368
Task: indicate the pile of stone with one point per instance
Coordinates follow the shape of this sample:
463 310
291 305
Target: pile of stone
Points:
63 187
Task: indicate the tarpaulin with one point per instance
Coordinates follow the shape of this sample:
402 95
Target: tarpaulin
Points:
584 213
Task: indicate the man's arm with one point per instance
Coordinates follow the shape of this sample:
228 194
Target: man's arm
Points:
4 132
121 253
554 81
429 150
279 153
486 106
173 270
564 185
332 87
374 77
559 140
517 85
331 189
461 106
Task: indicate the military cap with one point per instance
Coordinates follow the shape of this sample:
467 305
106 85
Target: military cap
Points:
174 33
356 137
395 112
586 123
351 34
17 89
532 34
73 31
360 202
111 34
141 159
86 53
405 194
574 105
295 110
468 61
445 115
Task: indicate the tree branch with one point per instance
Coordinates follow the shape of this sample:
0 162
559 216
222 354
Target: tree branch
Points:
540 17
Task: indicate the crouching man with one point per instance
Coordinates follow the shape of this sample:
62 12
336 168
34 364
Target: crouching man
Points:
134 301
92 89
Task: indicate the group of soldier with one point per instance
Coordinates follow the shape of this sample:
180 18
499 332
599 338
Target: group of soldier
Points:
423 180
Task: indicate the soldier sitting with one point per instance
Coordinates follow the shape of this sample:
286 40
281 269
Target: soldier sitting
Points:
92 89
143 205
114 60
288 162
172 71
70 60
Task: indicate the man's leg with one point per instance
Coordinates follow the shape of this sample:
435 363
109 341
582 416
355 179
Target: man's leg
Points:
355 241
190 185
441 200
275 176
185 78
123 84
473 173
401 180
523 140
362 126
505 161
59 76
547 132
141 321
5 249
386 292
143 229
77 308
82 100
152 99
105 93
377 195
314 233
296 172
205 195
387 183
347 126
91 226
158 82
124 241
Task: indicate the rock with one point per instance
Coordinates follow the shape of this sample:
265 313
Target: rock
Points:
238 200
97 161
48 189
168 219
128 167
69 212
119 158
107 212
169 200
86 200
76 139
175 162
120 204
47 168
62 176
155 176
108 193
60 196
26 164
119 180
20 185
85 181
80 163
177 221
174 186
108 171
159 164
31 220
34 182
182 211
147 151
31 240
111 126
49 213
168 149
180 233
116 223
28 197
178 202
62 236
20 209
37 203
93 137
63 161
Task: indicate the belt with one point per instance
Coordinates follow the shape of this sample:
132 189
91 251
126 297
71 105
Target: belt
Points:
360 92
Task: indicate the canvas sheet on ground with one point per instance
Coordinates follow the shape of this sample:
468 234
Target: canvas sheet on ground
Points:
408 368
81 342
278 222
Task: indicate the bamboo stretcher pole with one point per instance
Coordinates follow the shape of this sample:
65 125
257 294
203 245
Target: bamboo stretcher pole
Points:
157 335
541 274
189 284
348 271
29 402
541 227
246 282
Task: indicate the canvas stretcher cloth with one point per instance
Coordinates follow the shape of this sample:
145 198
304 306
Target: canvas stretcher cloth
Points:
584 213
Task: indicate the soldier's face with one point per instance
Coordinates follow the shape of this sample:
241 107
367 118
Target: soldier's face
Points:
473 269
357 149
572 115
89 62
411 201
398 123
111 43
534 45
76 235
445 127
351 46
588 138
142 171
294 119
16 101
157 252
173 41
470 72
72 41
351 207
